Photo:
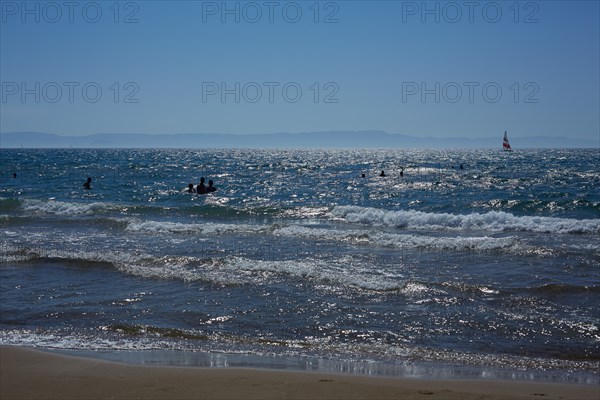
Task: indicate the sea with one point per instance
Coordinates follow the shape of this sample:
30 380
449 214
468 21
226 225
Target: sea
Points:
456 264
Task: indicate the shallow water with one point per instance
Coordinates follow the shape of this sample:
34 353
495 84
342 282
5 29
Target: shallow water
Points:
495 266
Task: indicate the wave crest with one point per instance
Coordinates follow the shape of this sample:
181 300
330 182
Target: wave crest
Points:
67 208
491 221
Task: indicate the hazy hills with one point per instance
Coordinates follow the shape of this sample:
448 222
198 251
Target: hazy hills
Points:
330 139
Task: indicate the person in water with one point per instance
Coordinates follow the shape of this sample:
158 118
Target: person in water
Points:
201 188
191 188
210 187
88 184
382 173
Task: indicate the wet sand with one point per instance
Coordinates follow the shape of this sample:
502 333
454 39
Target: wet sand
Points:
31 374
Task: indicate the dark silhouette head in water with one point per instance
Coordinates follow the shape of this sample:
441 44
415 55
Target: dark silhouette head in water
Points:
210 187
201 188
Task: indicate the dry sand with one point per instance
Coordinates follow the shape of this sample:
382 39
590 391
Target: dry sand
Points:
32 374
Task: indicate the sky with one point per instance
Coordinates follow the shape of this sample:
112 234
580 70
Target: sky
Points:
439 68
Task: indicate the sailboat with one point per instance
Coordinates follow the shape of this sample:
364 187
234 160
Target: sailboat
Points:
505 144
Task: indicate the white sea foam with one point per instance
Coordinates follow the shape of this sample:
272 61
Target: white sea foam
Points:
404 241
66 208
199 228
491 221
357 237
236 270
161 227
343 271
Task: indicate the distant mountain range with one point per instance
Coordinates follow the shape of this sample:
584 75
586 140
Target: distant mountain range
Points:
329 139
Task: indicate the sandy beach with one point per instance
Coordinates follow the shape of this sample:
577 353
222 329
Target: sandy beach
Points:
31 374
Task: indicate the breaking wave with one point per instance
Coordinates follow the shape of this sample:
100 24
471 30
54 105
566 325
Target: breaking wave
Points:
63 208
491 221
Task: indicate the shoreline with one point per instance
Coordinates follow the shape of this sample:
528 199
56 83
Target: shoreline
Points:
298 363
32 373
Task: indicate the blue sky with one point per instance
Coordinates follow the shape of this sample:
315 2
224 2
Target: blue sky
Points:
423 69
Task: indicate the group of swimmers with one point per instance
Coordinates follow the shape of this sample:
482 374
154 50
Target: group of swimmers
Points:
201 188
382 174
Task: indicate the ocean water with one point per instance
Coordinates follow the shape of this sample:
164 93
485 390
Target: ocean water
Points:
297 261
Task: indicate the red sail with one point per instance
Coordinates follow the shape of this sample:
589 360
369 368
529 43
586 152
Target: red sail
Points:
505 144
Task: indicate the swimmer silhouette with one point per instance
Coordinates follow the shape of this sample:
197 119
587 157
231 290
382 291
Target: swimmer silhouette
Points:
210 187
201 188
